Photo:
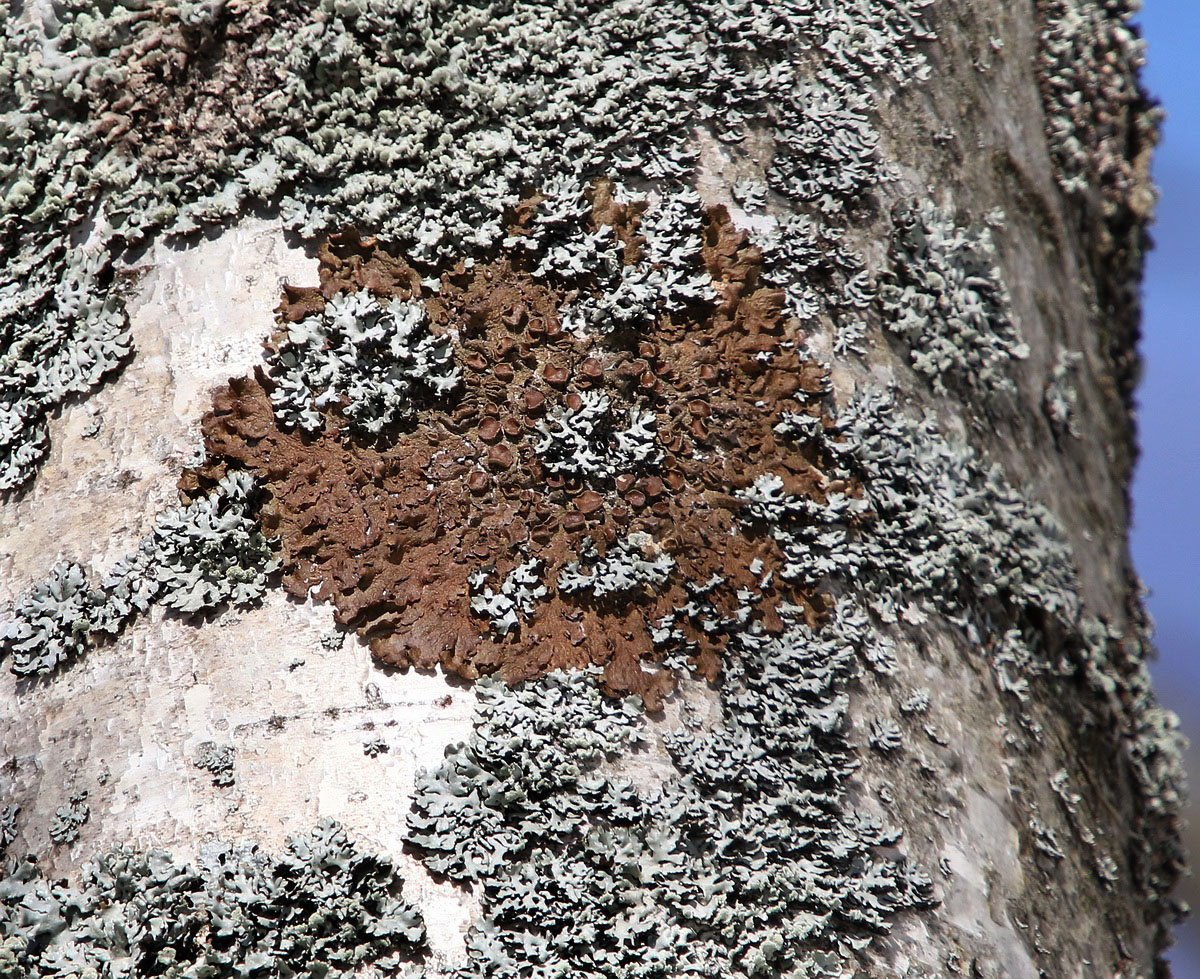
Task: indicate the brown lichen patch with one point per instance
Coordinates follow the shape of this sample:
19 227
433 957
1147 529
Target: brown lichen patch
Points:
391 531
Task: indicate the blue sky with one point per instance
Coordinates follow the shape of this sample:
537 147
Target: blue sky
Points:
1166 531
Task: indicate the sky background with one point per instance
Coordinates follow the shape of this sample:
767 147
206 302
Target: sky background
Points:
1166 501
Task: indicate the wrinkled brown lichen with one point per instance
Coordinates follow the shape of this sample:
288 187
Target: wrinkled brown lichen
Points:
389 531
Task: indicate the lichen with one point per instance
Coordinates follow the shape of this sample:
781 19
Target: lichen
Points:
217 760
201 556
574 450
1060 400
750 861
63 329
1101 128
631 372
629 566
8 826
53 623
934 520
1089 59
469 107
521 589
208 553
64 828
939 525
375 747
581 440
377 363
945 297
323 908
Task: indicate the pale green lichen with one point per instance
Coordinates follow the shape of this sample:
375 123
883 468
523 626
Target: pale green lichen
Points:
376 363
627 567
939 525
53 623
749 862
217 760
418 123
321 910
1100 127
8 826
589 442
1060 402
520 591
1088 64
945 297
206 554
375 747
423 124
64 828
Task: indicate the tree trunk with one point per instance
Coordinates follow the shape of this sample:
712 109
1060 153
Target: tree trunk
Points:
583 489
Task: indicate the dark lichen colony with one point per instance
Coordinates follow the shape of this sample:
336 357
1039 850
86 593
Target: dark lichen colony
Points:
552 422
600 470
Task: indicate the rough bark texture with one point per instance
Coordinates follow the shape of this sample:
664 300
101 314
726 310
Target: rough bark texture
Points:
656 474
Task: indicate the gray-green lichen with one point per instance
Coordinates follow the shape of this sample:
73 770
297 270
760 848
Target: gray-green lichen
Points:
629 566
63 328
217 760
935 521
377 363
424 123
1089 59
1060 402
940 531
821 273
64 828
323 909
53 623
945 297
749 862
587 441
521 589
8 826
628 297
375 747
1101 128
200 556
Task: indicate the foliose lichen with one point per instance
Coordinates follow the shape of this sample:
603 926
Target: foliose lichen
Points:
468 108
8 826
945 297
628 566
938 525
1101 128
428 125
199 556
322 909
376 363
750 861
521 589
63 328
933 520
582 440
64 828
217 760
53 623
561 446
1090 56
374 747
1060 401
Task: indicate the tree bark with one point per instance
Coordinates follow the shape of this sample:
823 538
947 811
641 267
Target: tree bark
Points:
682 524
